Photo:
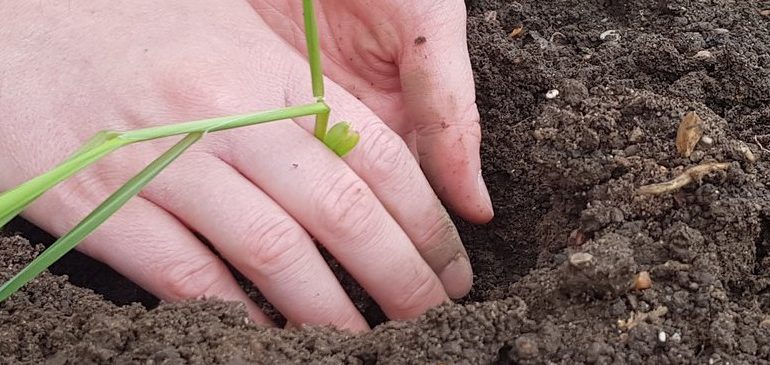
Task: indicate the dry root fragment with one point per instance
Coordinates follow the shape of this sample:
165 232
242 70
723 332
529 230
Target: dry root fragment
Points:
516 32
761 147
689 133
688 176
642 281
637 317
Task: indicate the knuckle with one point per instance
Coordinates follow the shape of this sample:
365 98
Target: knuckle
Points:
347 206
439 242
386 153
417 295
191 279
274 247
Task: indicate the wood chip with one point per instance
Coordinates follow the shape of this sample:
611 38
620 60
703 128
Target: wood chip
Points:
689 133
688 176
516 32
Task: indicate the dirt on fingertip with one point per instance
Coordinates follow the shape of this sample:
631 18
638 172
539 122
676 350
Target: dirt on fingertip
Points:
581 103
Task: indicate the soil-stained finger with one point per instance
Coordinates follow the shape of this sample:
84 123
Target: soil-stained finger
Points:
259 238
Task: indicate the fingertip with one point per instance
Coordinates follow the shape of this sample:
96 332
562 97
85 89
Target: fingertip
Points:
457 277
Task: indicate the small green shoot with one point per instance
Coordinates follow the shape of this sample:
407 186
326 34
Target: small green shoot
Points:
340 138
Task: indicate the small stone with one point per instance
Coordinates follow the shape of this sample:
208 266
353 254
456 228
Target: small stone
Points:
552 94
765 12
703 55
611 35
676 337
746 151
662 337
720 31
580 259
516 32
642 281
636 135
707 141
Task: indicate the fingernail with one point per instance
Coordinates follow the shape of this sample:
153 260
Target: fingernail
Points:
484 193
457 277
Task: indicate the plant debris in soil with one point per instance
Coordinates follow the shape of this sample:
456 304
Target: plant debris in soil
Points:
580 108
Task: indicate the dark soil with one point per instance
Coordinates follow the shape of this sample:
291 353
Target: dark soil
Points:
555 269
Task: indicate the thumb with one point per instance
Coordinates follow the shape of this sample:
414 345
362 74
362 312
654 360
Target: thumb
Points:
439 94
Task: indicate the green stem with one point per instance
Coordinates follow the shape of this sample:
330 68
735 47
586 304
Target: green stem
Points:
313 49
223 123
14 201
97 217
321 125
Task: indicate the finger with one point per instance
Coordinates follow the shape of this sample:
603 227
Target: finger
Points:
260 239
383 160
323 194
439 96
150 247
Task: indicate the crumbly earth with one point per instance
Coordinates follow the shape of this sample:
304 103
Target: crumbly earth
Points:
556 268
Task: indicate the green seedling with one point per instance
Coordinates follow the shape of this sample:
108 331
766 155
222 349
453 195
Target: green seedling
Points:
340 138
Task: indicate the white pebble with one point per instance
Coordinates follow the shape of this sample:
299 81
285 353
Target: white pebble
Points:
676 337
662 336
611 35
703 55
552 94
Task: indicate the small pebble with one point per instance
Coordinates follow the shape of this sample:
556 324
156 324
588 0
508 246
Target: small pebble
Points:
707 141
552 94
676 337
580 259
611 35
636 135
662 336
750 157
703 55
642 281
720 31
765 12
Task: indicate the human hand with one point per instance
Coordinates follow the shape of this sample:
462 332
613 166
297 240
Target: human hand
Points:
408 62
70 70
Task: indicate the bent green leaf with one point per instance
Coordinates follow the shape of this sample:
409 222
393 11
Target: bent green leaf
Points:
341 138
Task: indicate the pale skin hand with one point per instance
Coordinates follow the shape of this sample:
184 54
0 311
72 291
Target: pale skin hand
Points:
257 194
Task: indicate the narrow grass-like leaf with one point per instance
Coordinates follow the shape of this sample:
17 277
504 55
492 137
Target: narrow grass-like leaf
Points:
13 201
96 218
